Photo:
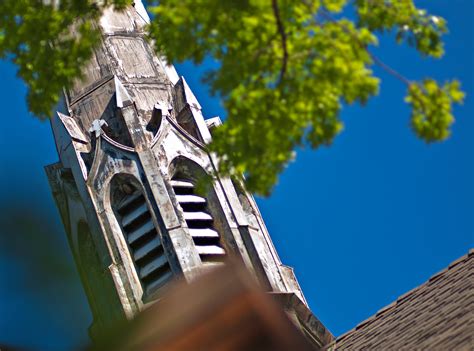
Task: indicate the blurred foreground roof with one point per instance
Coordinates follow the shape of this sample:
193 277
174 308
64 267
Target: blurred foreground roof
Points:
223 310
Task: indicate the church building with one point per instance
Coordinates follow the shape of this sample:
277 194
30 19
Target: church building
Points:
131 139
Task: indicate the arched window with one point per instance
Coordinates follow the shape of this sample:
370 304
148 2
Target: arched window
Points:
199 220
146 248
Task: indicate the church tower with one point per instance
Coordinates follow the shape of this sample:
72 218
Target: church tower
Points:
131 142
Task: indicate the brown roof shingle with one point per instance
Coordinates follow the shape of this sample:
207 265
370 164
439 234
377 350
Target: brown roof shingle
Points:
437 315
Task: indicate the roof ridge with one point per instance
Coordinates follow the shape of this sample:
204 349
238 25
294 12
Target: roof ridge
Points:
404 296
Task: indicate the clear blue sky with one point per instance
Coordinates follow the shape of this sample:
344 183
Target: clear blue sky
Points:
361 222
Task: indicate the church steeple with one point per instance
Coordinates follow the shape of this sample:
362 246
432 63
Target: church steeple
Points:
131 143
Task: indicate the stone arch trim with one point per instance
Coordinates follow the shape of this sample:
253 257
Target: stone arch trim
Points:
187 167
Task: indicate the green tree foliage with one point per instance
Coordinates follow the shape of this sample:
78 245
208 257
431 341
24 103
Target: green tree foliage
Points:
38 39
285 67
48 43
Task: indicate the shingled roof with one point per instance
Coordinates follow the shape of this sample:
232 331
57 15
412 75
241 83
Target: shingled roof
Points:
437 315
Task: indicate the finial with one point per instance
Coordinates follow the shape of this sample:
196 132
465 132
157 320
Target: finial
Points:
164 107
97 127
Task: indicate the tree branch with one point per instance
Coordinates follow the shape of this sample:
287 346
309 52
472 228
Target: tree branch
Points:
388 69
374 58
281 31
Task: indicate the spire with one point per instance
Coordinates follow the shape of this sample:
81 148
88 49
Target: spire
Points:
141 10
137 194
189 95
121 94
72 128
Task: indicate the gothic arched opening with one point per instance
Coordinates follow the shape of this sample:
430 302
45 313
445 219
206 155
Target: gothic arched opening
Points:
202 212
144 242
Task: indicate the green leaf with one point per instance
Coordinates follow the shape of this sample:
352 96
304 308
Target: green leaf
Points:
432 117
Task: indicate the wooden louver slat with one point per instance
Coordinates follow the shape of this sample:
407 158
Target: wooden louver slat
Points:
145 245
200 222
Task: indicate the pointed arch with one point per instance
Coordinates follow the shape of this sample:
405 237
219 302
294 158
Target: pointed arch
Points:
202 212
143 237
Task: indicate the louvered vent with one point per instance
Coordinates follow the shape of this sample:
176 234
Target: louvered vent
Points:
145 245
200 222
